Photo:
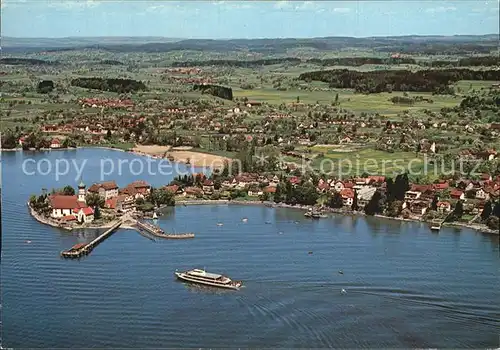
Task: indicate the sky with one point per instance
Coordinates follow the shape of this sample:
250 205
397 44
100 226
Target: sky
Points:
246 19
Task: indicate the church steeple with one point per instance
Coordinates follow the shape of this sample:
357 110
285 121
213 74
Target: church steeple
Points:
81 192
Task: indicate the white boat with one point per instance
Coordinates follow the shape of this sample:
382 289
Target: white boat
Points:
155 216
209 279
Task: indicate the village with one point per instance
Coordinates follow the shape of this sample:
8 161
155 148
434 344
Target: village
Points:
471 202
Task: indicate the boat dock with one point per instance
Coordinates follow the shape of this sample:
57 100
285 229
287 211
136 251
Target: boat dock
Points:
156 231
82 249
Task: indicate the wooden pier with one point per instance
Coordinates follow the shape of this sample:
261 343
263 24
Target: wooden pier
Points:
82 249
158 232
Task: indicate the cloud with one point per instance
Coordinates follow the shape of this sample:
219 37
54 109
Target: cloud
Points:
341 10
74 4
167 6
440 9
233 5
306 5
282 4
12 3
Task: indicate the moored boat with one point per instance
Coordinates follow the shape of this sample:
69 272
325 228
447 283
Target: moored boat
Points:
315 214
209 279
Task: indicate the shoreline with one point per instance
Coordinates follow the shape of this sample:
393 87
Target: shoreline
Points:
190 202
330 210
193 163
55 224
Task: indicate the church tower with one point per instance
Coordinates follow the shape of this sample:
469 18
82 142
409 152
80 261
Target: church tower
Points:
81 192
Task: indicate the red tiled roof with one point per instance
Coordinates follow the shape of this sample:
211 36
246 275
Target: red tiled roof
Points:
441 186
131 191
64 202
108 185
208 183
294 180
420 188
324 186
173 188
379 179
69 218
270 189
192 190
455 193
88 211
139 184
347 193
111 203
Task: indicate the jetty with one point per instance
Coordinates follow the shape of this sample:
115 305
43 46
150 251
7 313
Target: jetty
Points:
437 226
81 249
156 231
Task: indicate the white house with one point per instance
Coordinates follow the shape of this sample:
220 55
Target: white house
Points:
55 143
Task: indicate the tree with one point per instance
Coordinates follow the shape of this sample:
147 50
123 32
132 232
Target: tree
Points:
9 140
97 213
161 196
94 200
45 86
355 205
374 206
68 191
487 211
335 201
298 99
278 195
496 209
336 98
458 212
108 134
434 203
493 222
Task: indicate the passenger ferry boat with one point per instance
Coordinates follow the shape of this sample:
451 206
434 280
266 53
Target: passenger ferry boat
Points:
209 279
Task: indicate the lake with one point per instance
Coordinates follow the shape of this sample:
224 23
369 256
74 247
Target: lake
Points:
405 286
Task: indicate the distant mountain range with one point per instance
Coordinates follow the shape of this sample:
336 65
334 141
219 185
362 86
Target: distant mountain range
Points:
408 44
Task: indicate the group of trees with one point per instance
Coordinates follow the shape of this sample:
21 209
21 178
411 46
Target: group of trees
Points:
491 214
237 63
25 61
160 196
304 193
188 180
215 90
45 86
40 204
114 85
359 61
398 80
392 199
486 61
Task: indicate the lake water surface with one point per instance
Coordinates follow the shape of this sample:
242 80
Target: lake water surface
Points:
406 286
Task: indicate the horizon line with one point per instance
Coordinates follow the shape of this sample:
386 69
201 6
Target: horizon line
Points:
255 38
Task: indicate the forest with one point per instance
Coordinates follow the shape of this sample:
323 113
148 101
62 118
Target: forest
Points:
26 61
437 81
237 63
215 90
114 85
